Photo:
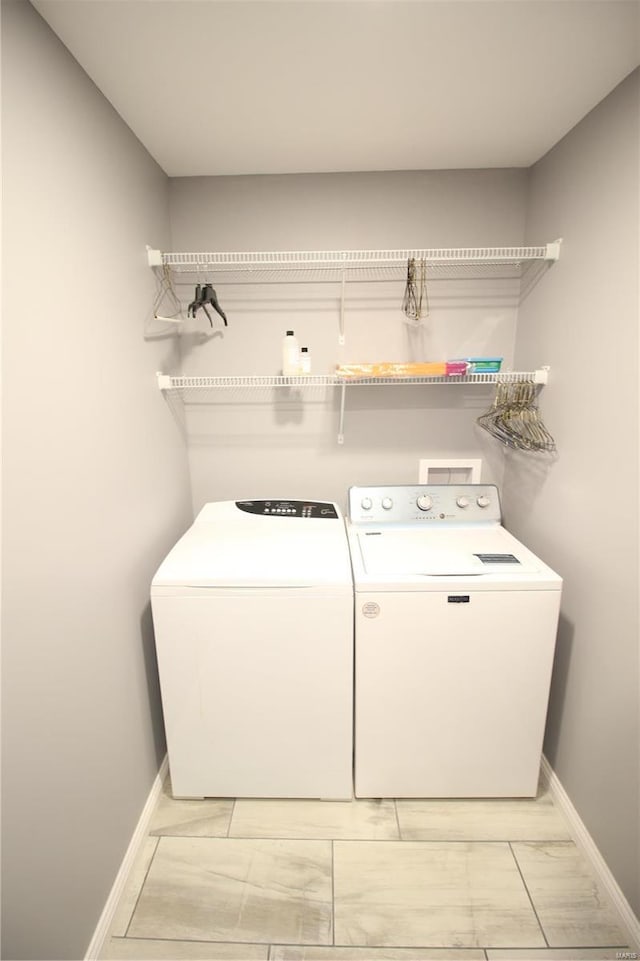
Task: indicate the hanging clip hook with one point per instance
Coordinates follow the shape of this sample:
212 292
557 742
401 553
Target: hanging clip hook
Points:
206 295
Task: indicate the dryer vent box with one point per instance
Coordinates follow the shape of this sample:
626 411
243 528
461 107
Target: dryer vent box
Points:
449 471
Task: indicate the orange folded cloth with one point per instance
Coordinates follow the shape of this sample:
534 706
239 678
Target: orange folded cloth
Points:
421 369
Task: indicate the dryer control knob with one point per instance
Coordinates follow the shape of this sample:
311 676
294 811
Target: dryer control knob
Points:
483 501
462 501
387 503
424 502
366 503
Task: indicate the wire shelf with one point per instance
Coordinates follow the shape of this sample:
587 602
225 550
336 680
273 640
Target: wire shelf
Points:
440 262
184 384
189 382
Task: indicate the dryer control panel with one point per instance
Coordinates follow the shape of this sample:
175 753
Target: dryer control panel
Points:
425 504
281 508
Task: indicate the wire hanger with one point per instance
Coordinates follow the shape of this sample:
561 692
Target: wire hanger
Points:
416 291
515 420
172 313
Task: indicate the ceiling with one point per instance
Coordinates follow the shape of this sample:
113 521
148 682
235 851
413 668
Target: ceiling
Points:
296 86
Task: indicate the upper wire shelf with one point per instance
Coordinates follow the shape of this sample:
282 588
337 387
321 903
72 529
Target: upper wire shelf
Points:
441 262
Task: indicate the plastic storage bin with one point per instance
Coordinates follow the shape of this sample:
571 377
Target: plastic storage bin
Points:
483 365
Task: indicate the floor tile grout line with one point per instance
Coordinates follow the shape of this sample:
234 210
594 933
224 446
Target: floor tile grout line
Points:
403 947
207 941
141 889
333 893
233 811
395 808
361 840
526 887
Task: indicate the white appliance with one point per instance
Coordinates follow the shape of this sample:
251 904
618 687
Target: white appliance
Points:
455 628
253 617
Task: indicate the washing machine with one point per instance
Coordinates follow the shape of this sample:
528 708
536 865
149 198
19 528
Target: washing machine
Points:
455 630
253 620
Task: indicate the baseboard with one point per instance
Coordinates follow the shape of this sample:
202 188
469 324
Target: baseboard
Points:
587 845
142 828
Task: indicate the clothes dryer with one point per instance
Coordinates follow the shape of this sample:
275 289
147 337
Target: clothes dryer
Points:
455 630
253 618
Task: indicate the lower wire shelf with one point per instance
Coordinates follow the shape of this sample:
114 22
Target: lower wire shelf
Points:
182 382
188 382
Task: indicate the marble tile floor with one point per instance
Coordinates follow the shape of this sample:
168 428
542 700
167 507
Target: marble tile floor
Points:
385 880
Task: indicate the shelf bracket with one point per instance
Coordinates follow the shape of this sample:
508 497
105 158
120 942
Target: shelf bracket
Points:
541 376
343 390
154 257
553 250
342 293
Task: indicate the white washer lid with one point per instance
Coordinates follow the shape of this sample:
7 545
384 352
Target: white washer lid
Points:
227 547
443 552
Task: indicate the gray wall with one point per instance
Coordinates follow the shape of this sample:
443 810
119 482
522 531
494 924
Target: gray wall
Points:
580 511
95 485
95 490
248 444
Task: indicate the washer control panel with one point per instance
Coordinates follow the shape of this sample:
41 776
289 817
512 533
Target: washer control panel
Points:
425 504
321 509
